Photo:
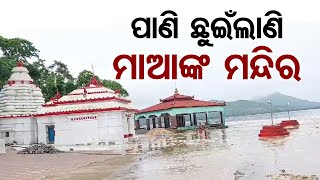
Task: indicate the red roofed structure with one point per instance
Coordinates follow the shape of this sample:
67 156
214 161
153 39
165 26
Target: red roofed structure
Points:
181 111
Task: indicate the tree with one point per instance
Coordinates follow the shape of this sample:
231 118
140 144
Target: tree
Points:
49 78
84 78
6 66
56 78
43 71
12 51
115 86
60 69
17 48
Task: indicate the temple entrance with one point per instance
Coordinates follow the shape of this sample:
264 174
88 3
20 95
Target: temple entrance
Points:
50 134
165 120
184 120
154 125
180 121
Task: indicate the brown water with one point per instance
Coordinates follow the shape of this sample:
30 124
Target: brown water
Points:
235 152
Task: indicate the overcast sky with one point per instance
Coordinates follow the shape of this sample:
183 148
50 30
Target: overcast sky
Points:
81 33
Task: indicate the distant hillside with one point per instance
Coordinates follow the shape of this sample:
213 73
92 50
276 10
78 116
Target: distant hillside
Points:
260 105
279 99
245 107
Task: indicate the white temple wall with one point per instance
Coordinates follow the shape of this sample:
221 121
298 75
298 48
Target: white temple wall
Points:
19 130
128 123
107 127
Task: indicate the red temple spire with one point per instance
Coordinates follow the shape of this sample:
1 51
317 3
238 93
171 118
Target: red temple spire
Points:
20 63
57 96
94 81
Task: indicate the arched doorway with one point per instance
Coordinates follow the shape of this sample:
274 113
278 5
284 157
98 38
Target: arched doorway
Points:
153 121
165 120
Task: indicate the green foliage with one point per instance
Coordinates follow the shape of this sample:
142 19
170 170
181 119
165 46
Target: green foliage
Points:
60 69
17 48
85 77
49 78
6 66
114 85
40 66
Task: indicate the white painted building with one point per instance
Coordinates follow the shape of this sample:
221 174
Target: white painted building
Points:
90 115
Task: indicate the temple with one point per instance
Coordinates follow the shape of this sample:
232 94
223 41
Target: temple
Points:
181 112
92 114
20 98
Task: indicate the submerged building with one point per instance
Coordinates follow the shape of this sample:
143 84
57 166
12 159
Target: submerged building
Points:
92 114
181 112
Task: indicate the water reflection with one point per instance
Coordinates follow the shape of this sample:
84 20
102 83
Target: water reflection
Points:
224 135
276 142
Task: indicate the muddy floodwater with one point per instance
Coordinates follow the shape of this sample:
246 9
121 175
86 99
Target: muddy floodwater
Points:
235 152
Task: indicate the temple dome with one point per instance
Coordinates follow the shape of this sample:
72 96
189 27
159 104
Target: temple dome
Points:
20 73
20 96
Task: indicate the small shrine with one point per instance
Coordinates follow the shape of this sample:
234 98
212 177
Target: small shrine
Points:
181 112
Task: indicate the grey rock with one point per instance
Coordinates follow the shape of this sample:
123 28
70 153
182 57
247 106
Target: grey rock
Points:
40 148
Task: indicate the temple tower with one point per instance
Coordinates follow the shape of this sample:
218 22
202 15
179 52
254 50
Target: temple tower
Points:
20 96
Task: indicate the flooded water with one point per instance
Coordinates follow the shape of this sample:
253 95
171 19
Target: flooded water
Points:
235 152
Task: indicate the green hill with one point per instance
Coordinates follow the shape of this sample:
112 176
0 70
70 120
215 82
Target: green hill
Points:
260 105
281 100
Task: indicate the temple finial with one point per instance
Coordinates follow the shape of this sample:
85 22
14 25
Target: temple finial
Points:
94 81
175 88
92 69
176 92
20 63
57 96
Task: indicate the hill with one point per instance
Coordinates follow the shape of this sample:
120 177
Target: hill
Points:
279 99
260 105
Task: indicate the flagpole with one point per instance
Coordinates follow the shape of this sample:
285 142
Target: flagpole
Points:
55 83
269 102
92 69
289 111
